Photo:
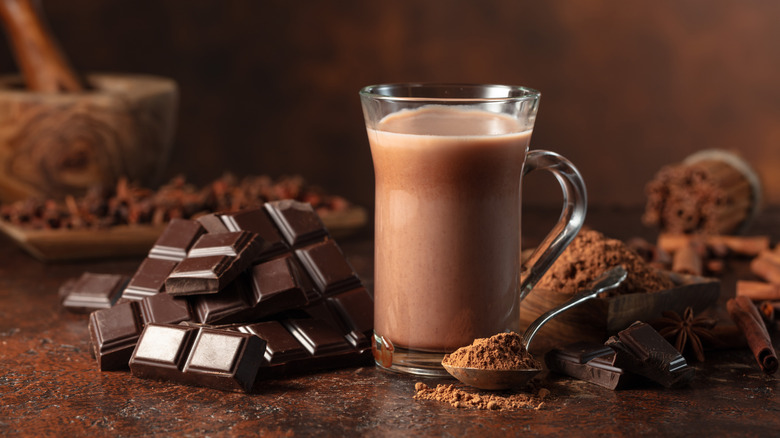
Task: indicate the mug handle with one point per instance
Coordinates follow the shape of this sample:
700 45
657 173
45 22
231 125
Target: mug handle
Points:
575 202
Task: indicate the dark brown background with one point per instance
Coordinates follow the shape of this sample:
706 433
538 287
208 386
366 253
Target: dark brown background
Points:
271 86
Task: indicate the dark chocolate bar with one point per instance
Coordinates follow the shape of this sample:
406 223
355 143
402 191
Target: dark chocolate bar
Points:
297 221
149 279
592 363
114 331
642 350
92 291
176 240
217 358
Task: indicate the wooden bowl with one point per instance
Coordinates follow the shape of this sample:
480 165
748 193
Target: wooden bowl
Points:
53 144
597 319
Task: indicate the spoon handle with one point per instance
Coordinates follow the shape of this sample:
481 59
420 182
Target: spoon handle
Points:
609 280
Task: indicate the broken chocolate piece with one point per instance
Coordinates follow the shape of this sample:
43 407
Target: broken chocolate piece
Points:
297 221
149 279
256 221
282 347
592 363
92 292
113 333
214 261
176 240
642 350
164 309
328 267
356 309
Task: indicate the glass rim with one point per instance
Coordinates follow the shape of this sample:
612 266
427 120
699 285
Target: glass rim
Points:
448 92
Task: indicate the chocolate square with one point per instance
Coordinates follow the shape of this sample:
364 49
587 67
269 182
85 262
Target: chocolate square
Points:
92 292
114 333
149 279
297 221
176 240
328 267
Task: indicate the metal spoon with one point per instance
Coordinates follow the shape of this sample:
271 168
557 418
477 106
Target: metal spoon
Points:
505 379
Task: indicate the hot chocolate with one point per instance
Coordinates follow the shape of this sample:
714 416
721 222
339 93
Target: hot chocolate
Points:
447 195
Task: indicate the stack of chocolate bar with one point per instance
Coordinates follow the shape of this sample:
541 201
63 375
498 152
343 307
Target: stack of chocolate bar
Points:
228 300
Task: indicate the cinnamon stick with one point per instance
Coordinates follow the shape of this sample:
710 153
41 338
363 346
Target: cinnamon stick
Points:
758 290
767 266
741 245
746 316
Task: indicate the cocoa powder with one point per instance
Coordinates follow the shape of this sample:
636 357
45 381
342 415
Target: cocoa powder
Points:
591 254
504 351
461 398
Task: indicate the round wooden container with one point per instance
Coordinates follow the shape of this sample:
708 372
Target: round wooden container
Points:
53 144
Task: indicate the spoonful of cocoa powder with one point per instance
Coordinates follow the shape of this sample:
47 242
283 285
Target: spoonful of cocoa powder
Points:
502 361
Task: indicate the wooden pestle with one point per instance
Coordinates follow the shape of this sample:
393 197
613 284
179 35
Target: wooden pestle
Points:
44 66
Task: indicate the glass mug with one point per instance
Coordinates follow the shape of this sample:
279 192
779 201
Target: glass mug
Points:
448 161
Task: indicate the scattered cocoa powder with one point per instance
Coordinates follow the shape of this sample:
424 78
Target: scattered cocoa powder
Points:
461 398
504 351
589 255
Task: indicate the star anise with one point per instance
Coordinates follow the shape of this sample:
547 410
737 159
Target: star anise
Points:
680 330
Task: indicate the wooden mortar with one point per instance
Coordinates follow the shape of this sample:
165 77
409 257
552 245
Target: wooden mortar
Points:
52 144
61 133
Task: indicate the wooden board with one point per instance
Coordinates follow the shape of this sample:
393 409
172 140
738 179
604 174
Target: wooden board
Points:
132 240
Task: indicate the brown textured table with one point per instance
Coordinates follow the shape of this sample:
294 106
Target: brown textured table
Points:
49 384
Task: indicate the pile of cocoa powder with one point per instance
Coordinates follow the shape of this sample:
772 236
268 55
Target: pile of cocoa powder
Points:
504 351
589 255
461 398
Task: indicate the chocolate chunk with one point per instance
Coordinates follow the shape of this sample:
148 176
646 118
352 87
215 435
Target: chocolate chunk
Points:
229 305
256 221
297 221
216 358
272 287
92 292
199 274
224 359
164 309
282 347
279 284
176 240
149 279
229 244
213 223
114 333
328 267
589 362
161 351
356 309
642 350
317 336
